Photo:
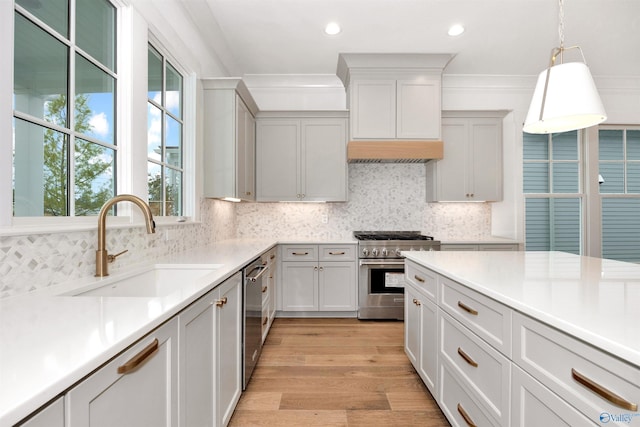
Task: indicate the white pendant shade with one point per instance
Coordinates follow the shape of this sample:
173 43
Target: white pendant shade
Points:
571 101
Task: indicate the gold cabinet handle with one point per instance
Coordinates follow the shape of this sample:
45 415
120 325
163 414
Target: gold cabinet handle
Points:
603 392
272 257
417 301
264 289
337 253
299 253
139 358
264 322
467 358
467 308
418 278
222 301
465 416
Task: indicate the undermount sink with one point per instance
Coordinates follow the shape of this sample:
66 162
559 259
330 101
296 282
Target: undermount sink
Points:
159 281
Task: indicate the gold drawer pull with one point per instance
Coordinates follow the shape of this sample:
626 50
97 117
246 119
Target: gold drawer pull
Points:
603 392
139 358
264 289
465 416
418 278
222 301
416 302
337 253
272 257
467 358
266 320
467 308
300 253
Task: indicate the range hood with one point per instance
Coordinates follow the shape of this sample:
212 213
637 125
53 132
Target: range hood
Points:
394 151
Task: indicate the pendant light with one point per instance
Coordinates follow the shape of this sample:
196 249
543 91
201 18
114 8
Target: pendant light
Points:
565 97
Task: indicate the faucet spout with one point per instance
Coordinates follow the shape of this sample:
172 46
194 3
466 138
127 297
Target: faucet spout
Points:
102 257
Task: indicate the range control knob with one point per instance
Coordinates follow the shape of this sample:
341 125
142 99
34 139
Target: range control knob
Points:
374 252
385 252
398 252
365 252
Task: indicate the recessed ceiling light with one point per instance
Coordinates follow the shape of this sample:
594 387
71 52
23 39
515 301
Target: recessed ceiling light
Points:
332 29
455 30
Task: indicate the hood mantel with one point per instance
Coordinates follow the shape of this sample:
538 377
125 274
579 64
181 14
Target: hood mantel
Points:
394 151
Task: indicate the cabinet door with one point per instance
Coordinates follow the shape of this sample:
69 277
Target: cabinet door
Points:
299 286
418 108
51 416
324 160
197 363
278 160
229 347
145 396
485 164
337 286
451 174
412 325
246 155
428 356
373 109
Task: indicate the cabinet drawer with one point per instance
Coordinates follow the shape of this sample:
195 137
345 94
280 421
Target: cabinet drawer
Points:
459 407
484 316
565 365
534 405
423 278
484 369
300 253
337 252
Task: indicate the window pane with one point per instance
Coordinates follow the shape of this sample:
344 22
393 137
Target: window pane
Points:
536 146
565 178
621 229
95 30
173 147
633 144
174 192
613 174
633 178
40 73
154 132
174 92
155 76
94 177
611 147
94 103
40 174
565 146
553 224
536 177
154 180
54 13
538 233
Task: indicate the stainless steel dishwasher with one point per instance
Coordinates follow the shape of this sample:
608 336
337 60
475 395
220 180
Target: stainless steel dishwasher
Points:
252 297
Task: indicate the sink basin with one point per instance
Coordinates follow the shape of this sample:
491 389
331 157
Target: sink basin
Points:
158 281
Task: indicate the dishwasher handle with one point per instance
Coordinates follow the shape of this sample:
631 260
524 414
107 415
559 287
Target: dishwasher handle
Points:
260 271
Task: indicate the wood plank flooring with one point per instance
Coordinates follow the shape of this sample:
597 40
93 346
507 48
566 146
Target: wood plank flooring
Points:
336 372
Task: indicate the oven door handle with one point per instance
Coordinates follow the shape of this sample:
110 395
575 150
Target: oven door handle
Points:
364 262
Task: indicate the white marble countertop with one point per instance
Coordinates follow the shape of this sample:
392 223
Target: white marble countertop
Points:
50 342
593 299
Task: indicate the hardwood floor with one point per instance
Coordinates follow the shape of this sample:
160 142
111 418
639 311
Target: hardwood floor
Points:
336 372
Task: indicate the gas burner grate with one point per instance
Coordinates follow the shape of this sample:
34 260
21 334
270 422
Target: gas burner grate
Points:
390 235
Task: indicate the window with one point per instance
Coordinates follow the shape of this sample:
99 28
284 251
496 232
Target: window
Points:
552 192
64 93
619 169
165 129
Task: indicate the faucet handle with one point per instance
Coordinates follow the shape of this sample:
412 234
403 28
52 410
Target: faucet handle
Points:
112 258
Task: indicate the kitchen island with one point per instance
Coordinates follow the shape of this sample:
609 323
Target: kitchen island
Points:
526 336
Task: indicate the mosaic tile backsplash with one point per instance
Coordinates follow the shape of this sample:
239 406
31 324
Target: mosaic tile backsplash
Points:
381 197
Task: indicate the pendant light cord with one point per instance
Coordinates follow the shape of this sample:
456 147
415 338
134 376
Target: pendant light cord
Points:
561 19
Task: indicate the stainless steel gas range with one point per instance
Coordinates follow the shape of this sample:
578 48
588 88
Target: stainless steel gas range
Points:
381 275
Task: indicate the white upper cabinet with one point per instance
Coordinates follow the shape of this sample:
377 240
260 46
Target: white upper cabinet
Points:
301 158
393 96
229 139
471 169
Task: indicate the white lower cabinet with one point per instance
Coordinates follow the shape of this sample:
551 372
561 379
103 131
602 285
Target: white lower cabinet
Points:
137 388
534 405
320 278
51 415
210 356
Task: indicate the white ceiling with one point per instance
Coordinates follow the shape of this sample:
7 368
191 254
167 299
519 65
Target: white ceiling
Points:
503 37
